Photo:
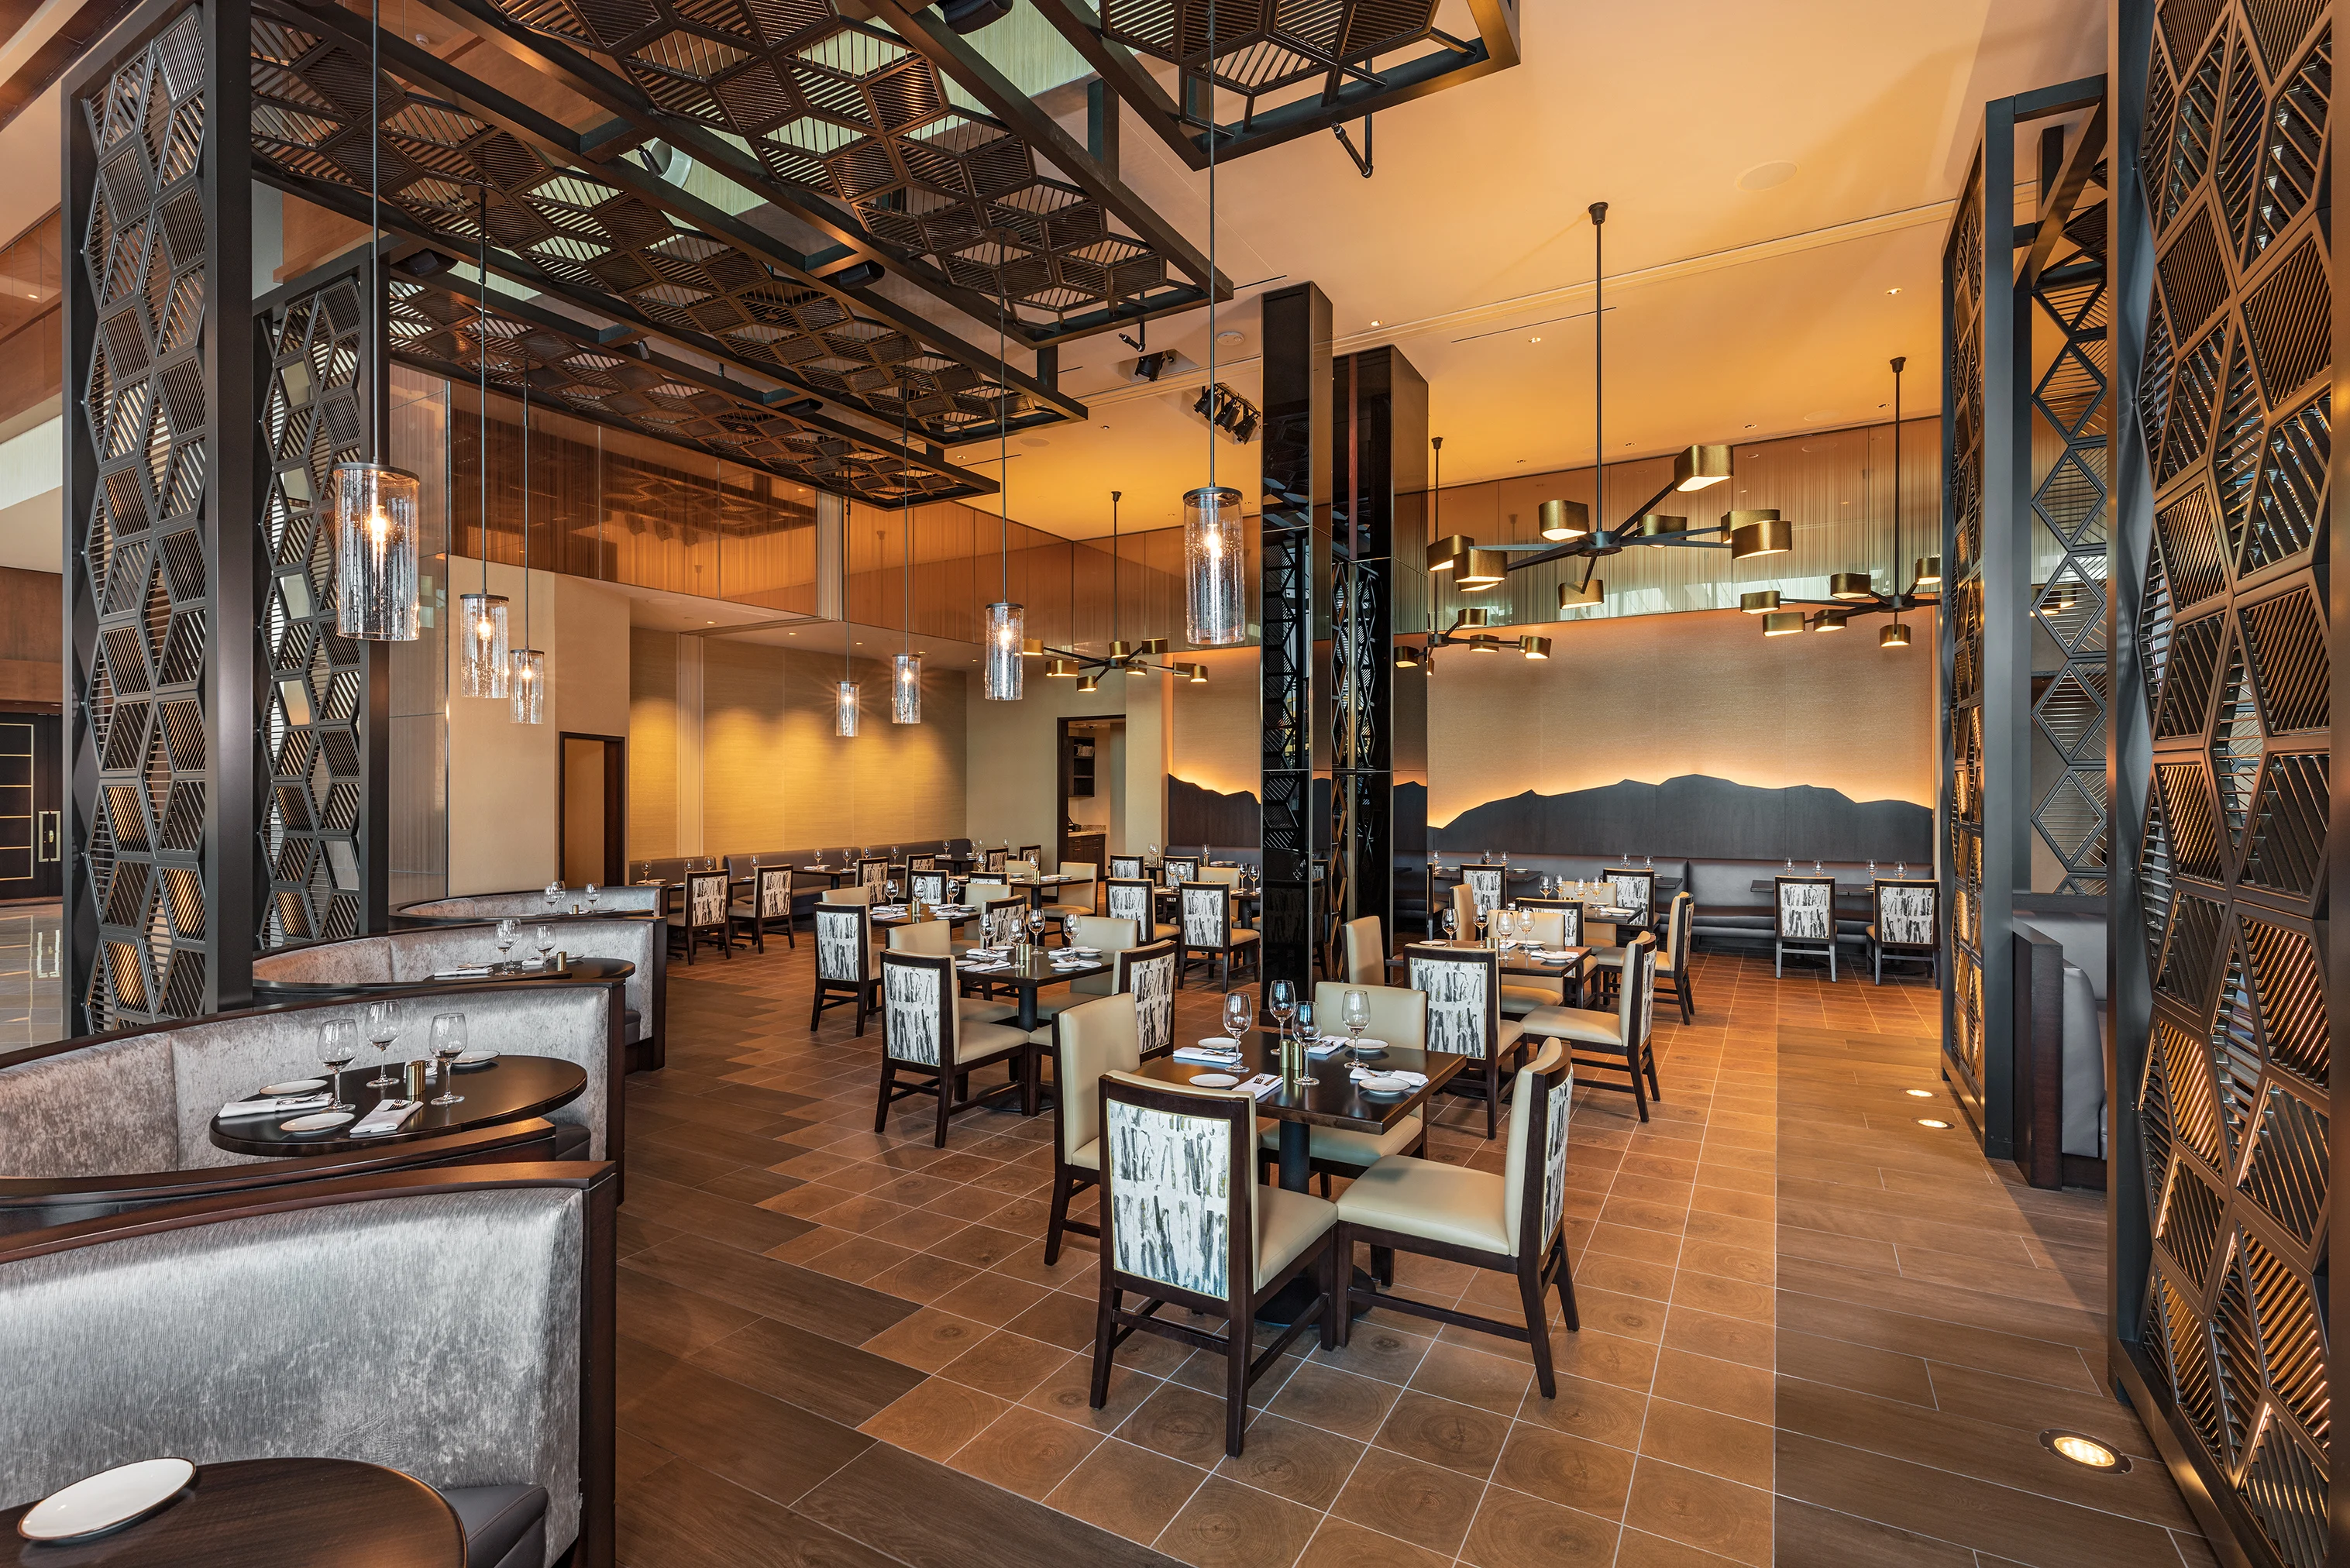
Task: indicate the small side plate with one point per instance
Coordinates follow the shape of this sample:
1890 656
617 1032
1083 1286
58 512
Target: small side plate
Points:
1213 1080
1378 1084
106 1500
315 1122
477 1058
291 1086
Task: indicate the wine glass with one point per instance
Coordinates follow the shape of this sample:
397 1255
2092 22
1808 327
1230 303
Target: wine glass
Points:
1308 1037
339 1041
508 928
1450 920
544 939
1901 868
1505 923
1284 1003
382 1030
590 891
1480 922
553 891
1036 928
447 1044
1356 1008
1240 1016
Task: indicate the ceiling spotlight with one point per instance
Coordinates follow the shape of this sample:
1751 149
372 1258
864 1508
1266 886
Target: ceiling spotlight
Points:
1407 655
1376 322
1895 290
1150 367
1830 620
1919 1094
1199 673
1894 636
1854 586
1654 522
1244 427
1447 552
1761 532
1563 520
1700 467
1782 623
2083 1450
1930 571
1480 570
1205 404
1534 647
1533 339
1760 602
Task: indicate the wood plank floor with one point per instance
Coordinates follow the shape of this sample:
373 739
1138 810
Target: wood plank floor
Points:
1813 1331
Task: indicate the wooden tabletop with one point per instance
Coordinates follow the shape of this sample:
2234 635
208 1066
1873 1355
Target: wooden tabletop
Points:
269 1514
1333 1100
1514 961
1038 970
506 1090
885 922
577 969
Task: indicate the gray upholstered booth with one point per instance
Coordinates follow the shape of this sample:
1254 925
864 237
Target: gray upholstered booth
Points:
453 1324
405 957
529 904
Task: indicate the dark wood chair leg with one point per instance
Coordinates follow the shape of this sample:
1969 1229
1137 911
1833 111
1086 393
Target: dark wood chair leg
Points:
1639 1090
1031 1068
1238 1345
1342 1248
1382 1266
861 1009
1530 1291
948 1083
1493 1098
1064 1186
1102 1319
1565 1283
889 1081
1333 1293
817 1011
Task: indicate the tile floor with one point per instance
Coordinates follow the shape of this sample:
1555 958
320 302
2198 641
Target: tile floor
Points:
1813 1331
32 994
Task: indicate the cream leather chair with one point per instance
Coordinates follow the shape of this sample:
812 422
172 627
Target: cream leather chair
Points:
1464 1017
845 968
1076 897
1365 953
859 893
1464 912
935 938
1020 871
1673 966
924 1038
1521 994
1112 937
1618 1039
1230 876
1148 974
1185 1224
1092 1038
1513 1223
1399 1017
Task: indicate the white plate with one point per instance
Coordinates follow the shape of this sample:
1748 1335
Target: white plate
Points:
316 1121
1213 1080
1378 1083
1217 1042
106 1500
476 1058
290 1086
1370 1047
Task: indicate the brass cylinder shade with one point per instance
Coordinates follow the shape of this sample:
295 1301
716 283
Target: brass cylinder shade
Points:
1485 642
1198 675
1534 647
1090 682
1853 585
1151 647
1652 524
1469 615
1930 571
1831 620
1480 570
1061 667
1032 647
1564 520
1758 533
1700 466
1782 623
1572 597
1447 552
1759 603
1406 657
1121 649
1893 637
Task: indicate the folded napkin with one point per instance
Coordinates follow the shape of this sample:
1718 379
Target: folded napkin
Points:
386 1117
1417 1080
1261 1085
1552 955
463 972
1331 1045
278 1105
1206 1057
889 910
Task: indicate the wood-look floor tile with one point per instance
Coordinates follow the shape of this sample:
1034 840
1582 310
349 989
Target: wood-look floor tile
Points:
1703 1439
775 1448
1026 1451
688 1320
1006 1365
1128 1490
1337 1401
682 1516
1228 1525
1290 1460
1181 1423
2016 1402
2011 1355
835 1381
927 1339
1807 1536
1411 1500
1603 1357
838 1310
961 1522
1474 1376
1565 1469
1456 1437
922 1277
1338 1544
935 1418
1514 1530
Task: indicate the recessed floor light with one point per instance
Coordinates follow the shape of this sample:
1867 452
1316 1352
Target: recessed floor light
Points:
2083 1450
1936 1124
1919 1094
1378 323
1533 339
1892 290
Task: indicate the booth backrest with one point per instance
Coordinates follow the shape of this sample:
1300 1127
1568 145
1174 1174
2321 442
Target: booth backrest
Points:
437 1333
531 905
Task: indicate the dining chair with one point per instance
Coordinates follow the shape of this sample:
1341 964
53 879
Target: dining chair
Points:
1907 928
1031 853
844 961
1634 889
1365 952
1513 1223
1484 881
859 893
1208 932
1681 918
930 887
1108 935
1230 876
1399 1017
1147 974
1570 918
1805 925
991 861
1135 898
1088 1040
929 862
1521 994
1185 1224
1020 869
770 898
1465 1018
1126 865
925 1037
1464 911
932 938
1618 1039
1076 898
1174 870
706 911
873 871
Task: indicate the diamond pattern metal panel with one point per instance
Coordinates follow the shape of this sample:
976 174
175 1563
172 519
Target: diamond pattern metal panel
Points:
144 557
1963 629
2233 1111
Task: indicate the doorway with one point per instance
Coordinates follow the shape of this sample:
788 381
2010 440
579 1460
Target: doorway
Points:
32 851
592 808
1093 790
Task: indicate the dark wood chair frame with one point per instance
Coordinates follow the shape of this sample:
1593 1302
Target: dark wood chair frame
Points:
1683 910
864 993
1187 950
1540 1267
991 861
929 862
935 1081
1639 1062
1782 944
922 881
1490 1081
1115 1323
758 918
1186 865
1116 865
1033 854
684 924
873 871
1146 924
1881 952
1122 970
1609 873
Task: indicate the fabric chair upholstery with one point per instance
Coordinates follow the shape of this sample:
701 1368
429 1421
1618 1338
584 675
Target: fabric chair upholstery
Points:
1109 936
1364 952
1135 899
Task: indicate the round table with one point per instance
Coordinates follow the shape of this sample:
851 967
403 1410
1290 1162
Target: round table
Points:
269 1514
506 1090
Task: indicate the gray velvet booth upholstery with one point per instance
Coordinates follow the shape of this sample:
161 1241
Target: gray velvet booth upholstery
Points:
455 1325
528 904
406 957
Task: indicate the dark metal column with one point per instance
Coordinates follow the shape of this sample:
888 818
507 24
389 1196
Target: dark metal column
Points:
162 558
1380 727
1297 721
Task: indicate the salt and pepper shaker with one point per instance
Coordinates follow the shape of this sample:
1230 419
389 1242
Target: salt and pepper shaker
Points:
419 1077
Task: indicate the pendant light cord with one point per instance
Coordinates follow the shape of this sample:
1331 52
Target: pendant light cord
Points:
905 527
1598 364
525 515
482 373
1215 403
1113 562
1897 493
1002 462
375 230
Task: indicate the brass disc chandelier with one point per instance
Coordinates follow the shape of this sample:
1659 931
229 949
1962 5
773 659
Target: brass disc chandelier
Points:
1468 627
1085 668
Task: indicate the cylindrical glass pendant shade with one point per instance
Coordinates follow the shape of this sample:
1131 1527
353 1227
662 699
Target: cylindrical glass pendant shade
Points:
1007 631
845 709
906 690
1216 606
482 650
527 687
375 552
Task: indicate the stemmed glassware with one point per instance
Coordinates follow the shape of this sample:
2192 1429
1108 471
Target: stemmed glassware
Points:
544 939
1505 926
1036 928
447 1044
1283 1004
1450 920
508 928
339 1041
591 892
1240 1016
554 894
1480 922
382 1030
1357 1010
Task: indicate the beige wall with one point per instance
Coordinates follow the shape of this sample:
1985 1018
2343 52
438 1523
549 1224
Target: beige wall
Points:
652 745
1219 727
504 776
1015 784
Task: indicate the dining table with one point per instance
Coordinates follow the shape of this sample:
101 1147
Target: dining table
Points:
1026 980
1517 959
506 1088
267 991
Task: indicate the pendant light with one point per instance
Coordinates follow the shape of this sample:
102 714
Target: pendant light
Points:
375 505
528 691
1007 623
906 685
1897 636
846 707
1214 559
1758 532
481 662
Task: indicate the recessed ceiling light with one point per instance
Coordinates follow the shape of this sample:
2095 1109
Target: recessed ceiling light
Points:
1377 323
1533 339
1932 1122
1228 336
2085 1451
1749 427
1033 441
1895 290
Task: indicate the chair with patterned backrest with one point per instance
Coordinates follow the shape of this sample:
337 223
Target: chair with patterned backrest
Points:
1805 921
1032 853
1398 1021
1618 1039
1909 925
1513 1223
1129 866
1365 952
1205 913
1174 870
873 872
1633 888
1148 973
992 860
1673 964
1484 882
929 885
844 961
1184 1223
1570 918
1134 898
1465 1018
706 912
1088 1040
925 1037
767 900
922 862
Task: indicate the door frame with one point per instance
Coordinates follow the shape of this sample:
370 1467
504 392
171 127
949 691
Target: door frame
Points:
616 801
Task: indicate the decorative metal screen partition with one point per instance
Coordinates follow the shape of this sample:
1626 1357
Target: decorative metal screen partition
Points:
1297 597
2222 1093
325 698
159 473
